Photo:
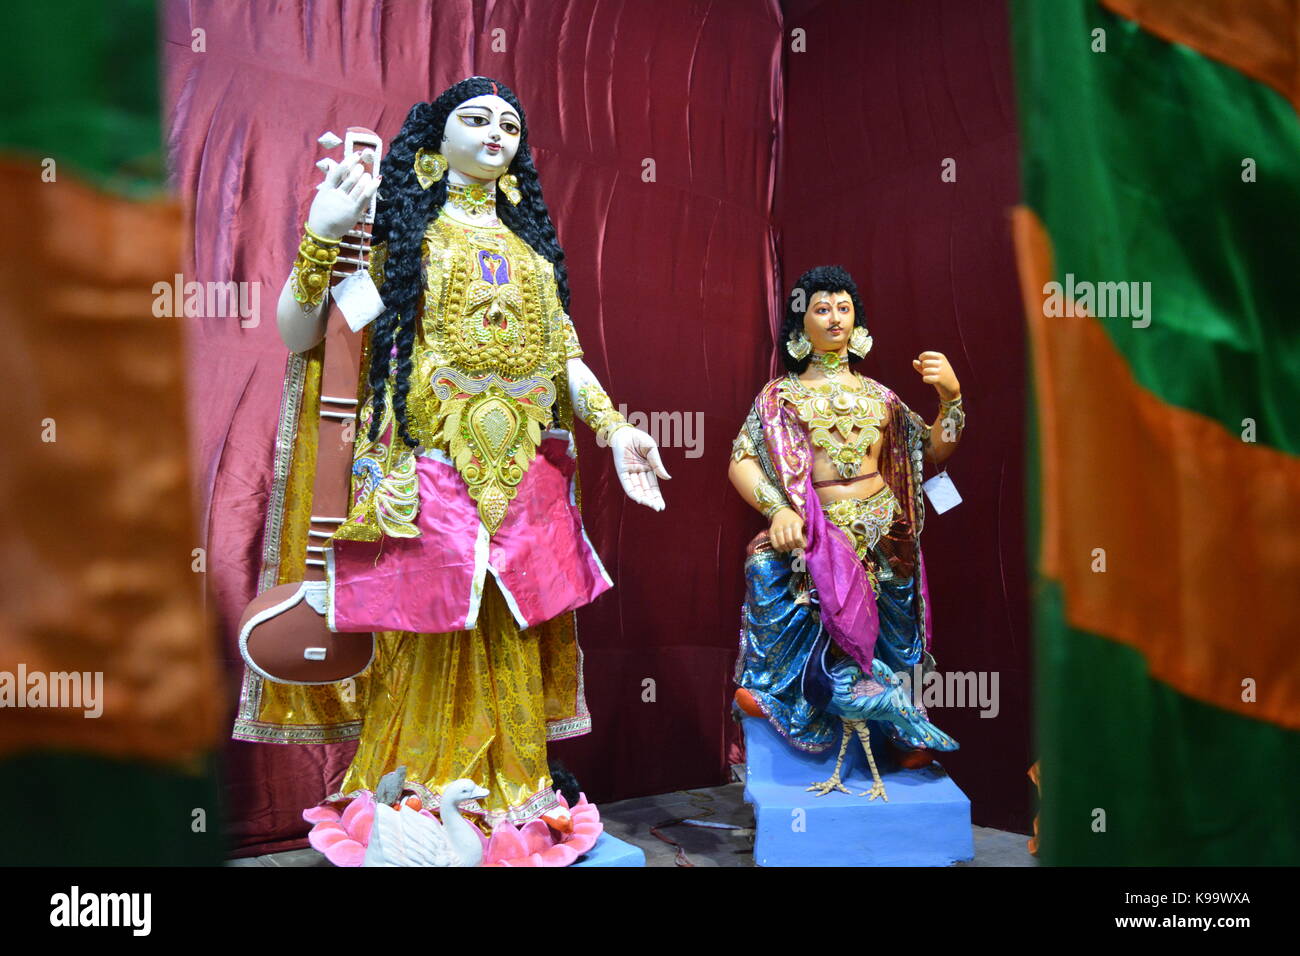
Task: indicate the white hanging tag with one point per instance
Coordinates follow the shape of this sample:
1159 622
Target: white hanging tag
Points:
942 493
358 300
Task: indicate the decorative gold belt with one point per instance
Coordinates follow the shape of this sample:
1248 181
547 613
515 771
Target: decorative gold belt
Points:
865 520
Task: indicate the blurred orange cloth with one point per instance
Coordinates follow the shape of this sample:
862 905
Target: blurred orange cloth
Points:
1246 36
97 570
1038 784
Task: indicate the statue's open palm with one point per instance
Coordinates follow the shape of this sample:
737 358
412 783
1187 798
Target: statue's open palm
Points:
639 467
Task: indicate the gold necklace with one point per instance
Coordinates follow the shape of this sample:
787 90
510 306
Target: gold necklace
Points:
828 362
473 199
832 413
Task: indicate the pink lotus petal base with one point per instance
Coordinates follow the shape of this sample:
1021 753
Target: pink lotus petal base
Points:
341 831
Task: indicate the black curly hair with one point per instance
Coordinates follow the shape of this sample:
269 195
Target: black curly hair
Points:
817 279
405 212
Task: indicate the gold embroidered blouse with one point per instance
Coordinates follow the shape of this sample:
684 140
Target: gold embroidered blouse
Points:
488 375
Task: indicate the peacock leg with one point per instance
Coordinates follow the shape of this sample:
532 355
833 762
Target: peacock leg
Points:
878 787
826 786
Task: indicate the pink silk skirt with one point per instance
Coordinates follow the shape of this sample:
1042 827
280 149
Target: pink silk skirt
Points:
541 557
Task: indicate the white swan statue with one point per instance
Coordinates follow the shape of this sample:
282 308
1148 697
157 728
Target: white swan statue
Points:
406 837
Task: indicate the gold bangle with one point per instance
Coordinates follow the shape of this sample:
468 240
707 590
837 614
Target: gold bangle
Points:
312 268
318 239
610 431
768 500
595 408
952 412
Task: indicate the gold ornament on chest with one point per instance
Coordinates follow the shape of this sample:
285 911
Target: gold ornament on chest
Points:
494 306
833 413
492 426
485 320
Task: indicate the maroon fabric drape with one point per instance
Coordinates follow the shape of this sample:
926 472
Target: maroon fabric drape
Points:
672 280
883 95
676 283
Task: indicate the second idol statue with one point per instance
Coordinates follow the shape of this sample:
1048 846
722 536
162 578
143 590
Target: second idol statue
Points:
837 602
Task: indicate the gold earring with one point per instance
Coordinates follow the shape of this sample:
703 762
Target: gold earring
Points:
798 346
860 342
429 167
509 185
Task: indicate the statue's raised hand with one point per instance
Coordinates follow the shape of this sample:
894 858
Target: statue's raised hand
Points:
935 369
636 459
343 196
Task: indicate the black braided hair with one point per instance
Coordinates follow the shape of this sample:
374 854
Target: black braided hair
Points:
817 279
406 211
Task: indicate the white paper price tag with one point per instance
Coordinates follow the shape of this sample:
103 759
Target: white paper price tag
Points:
942 493
358 300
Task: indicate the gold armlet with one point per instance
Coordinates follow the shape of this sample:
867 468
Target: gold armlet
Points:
572 348
742 447
312 268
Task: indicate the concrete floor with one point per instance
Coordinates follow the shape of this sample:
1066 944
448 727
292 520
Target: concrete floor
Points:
632 820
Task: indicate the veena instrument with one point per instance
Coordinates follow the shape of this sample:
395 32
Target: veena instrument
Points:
284 635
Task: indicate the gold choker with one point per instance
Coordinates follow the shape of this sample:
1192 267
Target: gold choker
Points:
828 362
474 199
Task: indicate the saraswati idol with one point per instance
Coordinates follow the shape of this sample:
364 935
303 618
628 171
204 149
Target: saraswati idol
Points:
463 549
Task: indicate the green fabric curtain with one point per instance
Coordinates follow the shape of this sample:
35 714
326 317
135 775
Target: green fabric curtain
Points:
1133 159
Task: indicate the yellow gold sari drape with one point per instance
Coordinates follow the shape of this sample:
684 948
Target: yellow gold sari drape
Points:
472 703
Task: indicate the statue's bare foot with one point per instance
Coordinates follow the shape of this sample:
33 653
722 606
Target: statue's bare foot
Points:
826 786
877 790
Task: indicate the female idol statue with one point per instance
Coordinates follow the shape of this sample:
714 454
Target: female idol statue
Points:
833 460
464 550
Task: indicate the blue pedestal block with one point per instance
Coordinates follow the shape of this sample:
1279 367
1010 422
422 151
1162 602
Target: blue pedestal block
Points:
925 823
611 851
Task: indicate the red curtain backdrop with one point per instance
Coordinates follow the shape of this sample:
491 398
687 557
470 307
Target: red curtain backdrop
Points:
676 282
884 94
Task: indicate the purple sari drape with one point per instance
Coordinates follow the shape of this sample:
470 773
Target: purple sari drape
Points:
846 600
